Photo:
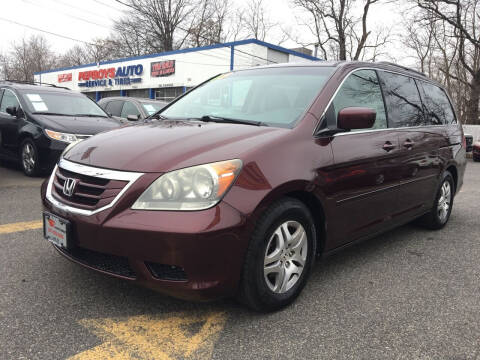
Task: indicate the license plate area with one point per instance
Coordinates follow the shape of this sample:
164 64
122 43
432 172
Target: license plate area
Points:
56 230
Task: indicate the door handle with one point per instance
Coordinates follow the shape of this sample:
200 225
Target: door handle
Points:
388 146
408 144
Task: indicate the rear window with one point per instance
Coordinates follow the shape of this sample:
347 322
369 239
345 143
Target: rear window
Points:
404 107
437 106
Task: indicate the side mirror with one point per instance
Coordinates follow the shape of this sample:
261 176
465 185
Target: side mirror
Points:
12 110
133 117
356 118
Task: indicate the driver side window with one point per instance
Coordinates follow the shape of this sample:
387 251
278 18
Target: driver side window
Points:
8 99
362 89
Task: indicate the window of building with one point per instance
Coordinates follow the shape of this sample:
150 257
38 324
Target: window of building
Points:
169 93
361 89
404 106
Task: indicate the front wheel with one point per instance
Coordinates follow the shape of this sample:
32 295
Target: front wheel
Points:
476 158
29 158
279 257
439 215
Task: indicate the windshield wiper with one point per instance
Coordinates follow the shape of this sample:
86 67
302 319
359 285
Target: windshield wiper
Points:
156 116
89 115
49 113
219 119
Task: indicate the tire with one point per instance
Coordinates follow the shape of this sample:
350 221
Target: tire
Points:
29 158
437 218
476 158
267 292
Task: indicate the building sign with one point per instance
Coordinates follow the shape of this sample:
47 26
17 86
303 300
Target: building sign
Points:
64 77
162 68
123 75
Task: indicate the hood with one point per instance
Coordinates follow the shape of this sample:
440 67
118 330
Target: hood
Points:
166 145
77 125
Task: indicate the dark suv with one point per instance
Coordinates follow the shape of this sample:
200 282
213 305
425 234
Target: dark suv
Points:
38 122
242 181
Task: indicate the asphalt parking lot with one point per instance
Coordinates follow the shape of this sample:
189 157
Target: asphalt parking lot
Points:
408 294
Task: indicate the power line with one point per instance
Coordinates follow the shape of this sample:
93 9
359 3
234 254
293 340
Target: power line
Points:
46 32
83 10
69 15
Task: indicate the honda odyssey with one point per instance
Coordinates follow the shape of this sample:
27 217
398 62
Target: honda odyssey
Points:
236 187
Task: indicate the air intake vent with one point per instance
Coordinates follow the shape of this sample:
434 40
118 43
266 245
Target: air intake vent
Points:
166 272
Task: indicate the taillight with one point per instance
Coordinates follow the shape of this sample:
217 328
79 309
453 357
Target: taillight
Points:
464 142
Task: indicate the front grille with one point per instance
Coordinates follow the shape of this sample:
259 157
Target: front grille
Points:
166 272
90 192
113 264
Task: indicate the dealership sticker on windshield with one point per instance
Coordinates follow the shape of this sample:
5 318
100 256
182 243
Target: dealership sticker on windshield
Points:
55 230
40 106
34 97
150 108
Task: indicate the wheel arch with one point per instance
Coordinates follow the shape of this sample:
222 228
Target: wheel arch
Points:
311 197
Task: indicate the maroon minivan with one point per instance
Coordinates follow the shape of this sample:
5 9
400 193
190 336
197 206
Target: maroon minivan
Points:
235 187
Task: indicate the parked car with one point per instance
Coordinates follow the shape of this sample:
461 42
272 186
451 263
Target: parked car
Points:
249 176
476 150
38 122
129 108
469 142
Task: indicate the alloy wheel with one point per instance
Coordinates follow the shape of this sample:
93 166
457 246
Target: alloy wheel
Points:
444 202
28 157
285 256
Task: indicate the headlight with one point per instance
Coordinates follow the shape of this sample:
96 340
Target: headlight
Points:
193 188
68 138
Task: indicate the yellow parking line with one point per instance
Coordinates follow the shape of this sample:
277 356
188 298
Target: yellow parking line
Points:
176 336
20 226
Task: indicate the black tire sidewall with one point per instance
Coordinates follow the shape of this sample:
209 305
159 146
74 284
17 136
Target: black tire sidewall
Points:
289 210
34 172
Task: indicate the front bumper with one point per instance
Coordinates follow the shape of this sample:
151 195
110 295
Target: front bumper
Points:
191 255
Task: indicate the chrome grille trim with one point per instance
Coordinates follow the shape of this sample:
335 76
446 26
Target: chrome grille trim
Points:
131 177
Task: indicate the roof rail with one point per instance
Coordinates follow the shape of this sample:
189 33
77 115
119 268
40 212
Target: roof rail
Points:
39 83
402 67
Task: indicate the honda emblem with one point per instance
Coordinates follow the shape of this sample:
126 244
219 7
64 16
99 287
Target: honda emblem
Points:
69 186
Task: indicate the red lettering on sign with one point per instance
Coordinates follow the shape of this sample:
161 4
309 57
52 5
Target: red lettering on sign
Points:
64 77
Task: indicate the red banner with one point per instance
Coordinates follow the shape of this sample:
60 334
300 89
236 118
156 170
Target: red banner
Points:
162 68
64 77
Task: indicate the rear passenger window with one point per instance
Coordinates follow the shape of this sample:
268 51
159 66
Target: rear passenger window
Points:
361 89
437 106
404 106
129 108
114 107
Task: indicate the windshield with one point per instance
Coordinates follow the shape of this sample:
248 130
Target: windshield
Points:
153 107
62 104
272 96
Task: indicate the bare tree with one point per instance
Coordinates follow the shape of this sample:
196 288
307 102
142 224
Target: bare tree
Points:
156 23
208 25
339 33
460 19
30 55
255 20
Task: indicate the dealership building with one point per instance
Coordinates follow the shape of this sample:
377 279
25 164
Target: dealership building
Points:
166 75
